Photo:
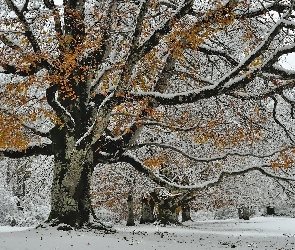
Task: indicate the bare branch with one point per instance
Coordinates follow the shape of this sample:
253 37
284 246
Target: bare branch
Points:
139 25
36 131
57 21
213 51
167 27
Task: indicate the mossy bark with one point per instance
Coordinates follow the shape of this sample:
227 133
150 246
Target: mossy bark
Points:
167 211
70 195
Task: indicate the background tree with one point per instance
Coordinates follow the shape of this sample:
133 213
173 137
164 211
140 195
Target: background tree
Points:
192 84
25 190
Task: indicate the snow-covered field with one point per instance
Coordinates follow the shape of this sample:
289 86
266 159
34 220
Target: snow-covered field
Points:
258 233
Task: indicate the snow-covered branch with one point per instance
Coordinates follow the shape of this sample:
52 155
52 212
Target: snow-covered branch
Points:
139 166
52 98
275 117
222 156
37 131
29 34
91 128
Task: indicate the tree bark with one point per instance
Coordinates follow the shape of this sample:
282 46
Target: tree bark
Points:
147 210
167 211
70 195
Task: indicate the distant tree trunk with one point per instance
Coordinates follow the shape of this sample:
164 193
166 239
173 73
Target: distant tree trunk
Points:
244 213
70 195
130 219
270 210
167 211
147 210
186 213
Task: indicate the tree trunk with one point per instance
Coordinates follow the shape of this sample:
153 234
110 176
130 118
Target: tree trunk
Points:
70 195
270 210
244 213
167 211
147 210
130 220
186 213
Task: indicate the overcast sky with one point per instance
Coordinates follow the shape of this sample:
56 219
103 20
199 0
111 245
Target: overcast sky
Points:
290 61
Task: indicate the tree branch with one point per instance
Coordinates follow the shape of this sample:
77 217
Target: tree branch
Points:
274 114
30 151
9 43
57 23
167 27
51 94
200 159
138 165
213 51
28 32
36 131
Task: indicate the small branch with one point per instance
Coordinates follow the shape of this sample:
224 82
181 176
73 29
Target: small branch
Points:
57 21
213 51
167 27
274 114
9 43
172 128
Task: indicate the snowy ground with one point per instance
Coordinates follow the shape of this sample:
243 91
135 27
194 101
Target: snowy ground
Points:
258 233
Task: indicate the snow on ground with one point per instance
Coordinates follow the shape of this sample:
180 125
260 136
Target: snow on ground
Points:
258 233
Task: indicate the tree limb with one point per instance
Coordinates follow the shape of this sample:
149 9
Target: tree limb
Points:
28 32
30 151
138 165
200 159
58 108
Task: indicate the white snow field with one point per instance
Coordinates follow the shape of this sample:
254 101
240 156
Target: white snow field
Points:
258 233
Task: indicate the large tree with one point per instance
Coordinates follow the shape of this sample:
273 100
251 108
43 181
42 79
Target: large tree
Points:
163 85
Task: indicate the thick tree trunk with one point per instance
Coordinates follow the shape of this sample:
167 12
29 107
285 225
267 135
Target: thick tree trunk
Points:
70 195
167 211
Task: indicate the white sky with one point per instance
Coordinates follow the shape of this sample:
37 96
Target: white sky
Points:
289 62
58 2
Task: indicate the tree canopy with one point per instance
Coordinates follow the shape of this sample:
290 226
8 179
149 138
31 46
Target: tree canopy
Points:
186 92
